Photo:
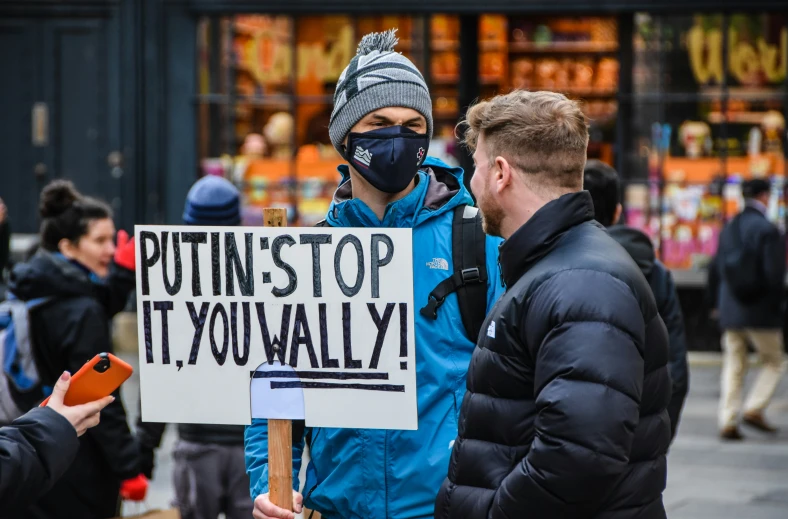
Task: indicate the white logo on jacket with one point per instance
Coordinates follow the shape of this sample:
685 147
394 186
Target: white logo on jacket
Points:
438 263
491 330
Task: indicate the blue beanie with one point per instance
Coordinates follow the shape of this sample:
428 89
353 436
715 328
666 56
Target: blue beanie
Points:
212 200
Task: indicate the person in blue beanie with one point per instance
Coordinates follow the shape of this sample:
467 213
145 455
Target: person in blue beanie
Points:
208 476
382 125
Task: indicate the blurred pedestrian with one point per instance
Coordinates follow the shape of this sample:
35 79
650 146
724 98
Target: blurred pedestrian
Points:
209 475
747 282
564 416
38 447
602 182
382 125
75 270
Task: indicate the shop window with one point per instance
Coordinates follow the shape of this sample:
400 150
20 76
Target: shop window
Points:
707 112
577 56
265 95
444 77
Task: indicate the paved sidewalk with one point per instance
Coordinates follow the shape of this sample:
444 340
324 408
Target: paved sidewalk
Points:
707 479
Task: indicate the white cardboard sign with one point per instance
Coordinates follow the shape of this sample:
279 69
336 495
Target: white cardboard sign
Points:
316 322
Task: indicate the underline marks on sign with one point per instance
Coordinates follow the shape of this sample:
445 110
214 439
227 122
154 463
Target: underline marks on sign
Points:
335 375
327 375
328 385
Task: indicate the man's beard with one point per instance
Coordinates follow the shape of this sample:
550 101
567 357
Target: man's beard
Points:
492 214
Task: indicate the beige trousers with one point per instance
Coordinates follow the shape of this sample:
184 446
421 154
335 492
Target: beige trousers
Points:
768 343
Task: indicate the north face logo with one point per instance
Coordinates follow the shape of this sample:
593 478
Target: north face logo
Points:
362 155
438 263
491 330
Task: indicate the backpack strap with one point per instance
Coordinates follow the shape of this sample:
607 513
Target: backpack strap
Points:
469 280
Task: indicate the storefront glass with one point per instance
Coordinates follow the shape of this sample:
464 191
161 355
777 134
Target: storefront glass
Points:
706 113
266 87
687 106
577 56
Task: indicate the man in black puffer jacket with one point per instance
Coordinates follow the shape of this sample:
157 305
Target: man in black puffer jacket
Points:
565 414
602 182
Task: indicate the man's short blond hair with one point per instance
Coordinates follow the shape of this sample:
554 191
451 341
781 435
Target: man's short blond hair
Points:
543 135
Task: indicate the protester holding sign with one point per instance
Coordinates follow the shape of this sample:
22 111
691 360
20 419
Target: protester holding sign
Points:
208 477
382 125
565 414
78 279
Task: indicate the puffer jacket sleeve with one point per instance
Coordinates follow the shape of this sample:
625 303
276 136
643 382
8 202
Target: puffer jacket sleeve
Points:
669 308
586 332
256 454
35 451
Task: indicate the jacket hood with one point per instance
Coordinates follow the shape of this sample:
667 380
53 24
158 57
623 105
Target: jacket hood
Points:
47 275
439 189
637 244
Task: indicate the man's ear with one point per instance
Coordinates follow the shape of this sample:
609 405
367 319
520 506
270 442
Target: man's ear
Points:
502 173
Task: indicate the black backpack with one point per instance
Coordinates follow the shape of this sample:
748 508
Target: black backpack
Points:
742 267
469 280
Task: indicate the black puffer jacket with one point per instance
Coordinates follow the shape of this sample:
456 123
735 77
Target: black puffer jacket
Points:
35 451
66 333
639 246
564 416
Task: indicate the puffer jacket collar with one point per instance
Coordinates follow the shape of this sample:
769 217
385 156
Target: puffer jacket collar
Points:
637 244
439 189
539 234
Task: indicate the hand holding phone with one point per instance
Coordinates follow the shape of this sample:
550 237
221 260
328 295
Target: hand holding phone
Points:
81 417
98 378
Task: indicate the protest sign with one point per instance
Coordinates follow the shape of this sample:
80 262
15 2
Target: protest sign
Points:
318 322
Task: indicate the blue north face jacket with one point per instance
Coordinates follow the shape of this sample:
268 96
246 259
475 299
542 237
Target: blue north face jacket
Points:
361 473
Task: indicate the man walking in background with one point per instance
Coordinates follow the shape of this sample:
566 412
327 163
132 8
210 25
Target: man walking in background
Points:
564 416
747 280
602 182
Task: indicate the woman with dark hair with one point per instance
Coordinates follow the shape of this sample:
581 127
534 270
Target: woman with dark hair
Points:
84 287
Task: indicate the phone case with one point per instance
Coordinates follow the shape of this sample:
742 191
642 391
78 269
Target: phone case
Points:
97 378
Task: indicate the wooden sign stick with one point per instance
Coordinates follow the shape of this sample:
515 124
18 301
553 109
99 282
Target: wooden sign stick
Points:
280 432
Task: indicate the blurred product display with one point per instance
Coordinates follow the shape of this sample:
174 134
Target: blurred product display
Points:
684 128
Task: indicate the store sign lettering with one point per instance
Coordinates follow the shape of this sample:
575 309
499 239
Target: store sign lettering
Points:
745 59
271 62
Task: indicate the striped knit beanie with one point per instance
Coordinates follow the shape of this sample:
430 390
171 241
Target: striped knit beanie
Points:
377 77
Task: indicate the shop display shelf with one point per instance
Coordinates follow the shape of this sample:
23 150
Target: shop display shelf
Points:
444 46
558 47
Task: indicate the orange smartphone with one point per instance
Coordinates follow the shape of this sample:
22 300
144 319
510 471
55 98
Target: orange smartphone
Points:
99 377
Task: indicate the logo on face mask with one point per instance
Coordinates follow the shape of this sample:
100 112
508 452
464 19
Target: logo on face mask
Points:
419 155
363 156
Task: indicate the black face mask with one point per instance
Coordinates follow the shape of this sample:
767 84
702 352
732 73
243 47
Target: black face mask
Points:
387 158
